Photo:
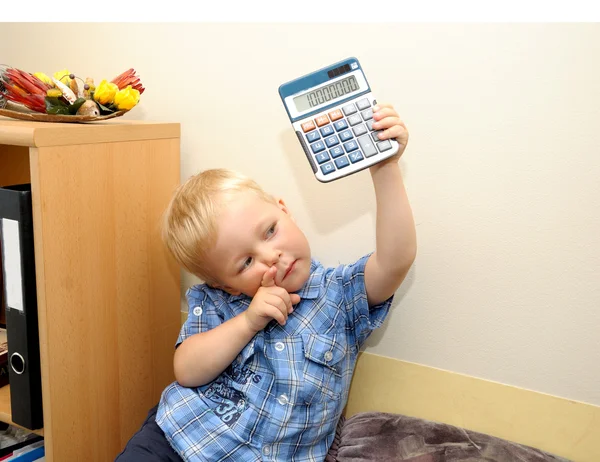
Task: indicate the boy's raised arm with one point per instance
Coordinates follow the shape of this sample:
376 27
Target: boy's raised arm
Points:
396 242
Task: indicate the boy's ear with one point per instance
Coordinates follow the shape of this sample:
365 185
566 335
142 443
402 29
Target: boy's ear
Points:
283 207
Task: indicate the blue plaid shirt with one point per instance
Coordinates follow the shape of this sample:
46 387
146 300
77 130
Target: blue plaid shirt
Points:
283 395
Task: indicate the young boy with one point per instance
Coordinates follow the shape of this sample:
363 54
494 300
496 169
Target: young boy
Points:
264 361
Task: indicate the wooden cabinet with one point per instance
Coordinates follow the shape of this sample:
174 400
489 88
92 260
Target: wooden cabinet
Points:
108 292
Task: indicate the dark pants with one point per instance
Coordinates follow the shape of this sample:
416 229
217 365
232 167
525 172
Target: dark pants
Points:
148 444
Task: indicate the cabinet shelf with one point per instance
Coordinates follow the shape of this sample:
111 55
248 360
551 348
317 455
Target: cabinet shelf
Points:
5 412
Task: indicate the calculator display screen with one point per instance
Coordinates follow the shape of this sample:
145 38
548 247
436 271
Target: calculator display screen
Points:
326 93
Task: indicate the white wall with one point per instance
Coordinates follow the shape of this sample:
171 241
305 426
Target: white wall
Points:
503 167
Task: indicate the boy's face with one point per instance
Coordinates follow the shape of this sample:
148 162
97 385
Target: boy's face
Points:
252 236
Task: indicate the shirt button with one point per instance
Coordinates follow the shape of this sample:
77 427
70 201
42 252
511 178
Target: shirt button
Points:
197 311
283 399
266 450
279 346
328 356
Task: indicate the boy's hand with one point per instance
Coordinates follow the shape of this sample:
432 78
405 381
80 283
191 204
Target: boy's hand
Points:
386 118
270 302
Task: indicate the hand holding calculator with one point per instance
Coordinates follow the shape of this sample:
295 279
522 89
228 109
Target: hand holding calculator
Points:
331 111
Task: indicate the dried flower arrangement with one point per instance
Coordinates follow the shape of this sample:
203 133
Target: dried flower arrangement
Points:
64 97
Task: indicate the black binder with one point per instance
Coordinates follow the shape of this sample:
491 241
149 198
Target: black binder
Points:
20 298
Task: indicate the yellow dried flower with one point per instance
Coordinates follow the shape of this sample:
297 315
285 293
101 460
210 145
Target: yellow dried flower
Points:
63 77
44 78
105 92
127 98
54 93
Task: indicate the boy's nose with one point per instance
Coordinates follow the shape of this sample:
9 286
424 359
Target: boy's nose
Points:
271 257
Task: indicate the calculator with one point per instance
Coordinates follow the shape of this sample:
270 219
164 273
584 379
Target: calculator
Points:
331 111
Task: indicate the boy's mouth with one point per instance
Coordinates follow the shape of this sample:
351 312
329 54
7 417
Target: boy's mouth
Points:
289 270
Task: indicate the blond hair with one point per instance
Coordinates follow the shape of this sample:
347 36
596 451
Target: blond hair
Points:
189 226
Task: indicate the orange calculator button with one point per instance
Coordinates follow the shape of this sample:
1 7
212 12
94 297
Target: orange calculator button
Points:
335 115
308 126
322 120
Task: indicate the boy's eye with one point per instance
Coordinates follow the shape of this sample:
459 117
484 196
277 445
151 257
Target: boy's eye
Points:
246 263
271 230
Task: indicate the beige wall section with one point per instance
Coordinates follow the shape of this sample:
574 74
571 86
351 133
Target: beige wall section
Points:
502 168
563 427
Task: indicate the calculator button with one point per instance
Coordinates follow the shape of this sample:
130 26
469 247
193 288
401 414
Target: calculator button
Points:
308 126
384 145
349 109
369 124
327 168
355 156
352 146
331 141
322 157
367 146
317 147
341 125
335 115
359 130
322 120
346 135
363 104
313 136
336 152
367 115
375 135
327 130
342 162
354 119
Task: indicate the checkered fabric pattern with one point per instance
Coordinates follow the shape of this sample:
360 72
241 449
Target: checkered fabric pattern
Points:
283 395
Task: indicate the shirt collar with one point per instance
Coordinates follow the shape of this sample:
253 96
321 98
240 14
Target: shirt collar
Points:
310 289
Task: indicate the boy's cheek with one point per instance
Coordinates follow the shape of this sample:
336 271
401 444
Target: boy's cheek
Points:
255 283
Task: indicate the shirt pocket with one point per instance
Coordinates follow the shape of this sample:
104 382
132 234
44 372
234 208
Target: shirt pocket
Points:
323 367
228 422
